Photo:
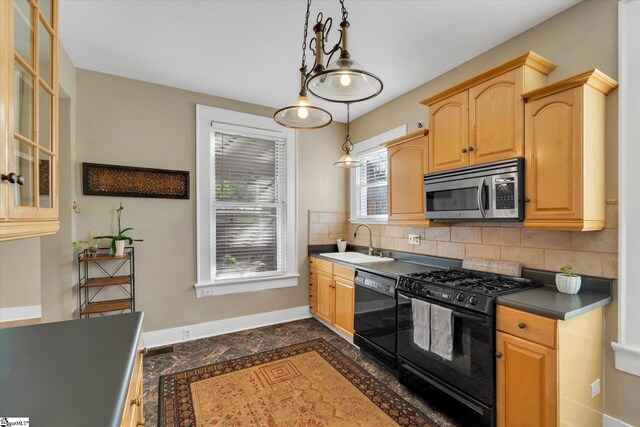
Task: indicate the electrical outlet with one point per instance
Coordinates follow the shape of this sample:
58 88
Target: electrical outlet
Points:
186 334
414 239
595 388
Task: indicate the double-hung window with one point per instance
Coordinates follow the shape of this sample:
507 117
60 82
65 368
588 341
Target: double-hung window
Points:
246 203
369 188
371 185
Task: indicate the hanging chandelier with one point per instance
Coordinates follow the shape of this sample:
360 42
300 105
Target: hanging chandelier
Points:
342 80
347 160
300 114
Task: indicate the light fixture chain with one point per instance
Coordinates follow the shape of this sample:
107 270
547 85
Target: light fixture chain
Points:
345 14
304 38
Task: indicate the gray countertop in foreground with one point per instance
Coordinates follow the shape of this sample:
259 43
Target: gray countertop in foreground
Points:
548 302
72 373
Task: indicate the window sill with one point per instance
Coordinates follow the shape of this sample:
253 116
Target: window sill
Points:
627 358
245 285
368 221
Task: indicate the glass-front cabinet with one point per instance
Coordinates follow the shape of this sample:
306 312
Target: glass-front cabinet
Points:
28 118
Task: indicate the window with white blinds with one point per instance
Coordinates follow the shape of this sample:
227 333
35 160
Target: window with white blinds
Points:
248 236
371 185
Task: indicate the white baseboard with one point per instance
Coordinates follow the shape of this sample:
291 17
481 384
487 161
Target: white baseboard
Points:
219 327
608 421
9 314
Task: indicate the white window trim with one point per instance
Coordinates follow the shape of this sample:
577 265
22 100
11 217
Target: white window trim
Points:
205 285
362 147
627 349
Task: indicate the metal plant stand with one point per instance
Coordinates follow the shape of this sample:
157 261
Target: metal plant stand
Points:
104 274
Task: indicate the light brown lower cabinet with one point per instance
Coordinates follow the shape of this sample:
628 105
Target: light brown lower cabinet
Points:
545 368
331 293
133 415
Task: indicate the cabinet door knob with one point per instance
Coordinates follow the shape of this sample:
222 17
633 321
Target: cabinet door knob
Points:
471 149
498 355
11 177
464 150
135 401
144 352
521 325
140 424
527 200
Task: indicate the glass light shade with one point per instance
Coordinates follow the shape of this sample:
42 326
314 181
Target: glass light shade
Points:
344 80
301 115
347 161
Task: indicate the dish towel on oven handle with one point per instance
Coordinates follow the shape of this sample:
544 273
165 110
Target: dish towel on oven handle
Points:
442 332
421 311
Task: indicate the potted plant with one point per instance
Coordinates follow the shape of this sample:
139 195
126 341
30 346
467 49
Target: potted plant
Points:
118 241
567 281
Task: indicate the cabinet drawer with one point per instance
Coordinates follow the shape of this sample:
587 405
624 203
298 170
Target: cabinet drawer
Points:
528 326
322 265
133 401
343 271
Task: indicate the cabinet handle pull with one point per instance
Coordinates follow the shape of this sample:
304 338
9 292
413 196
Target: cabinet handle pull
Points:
527 200
521 325
464 150
135 401
13 178
498 355
471 149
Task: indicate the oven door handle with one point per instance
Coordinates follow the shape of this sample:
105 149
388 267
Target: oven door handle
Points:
479 319
480 193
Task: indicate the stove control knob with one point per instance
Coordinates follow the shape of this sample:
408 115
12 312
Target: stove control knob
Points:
473 300
460 297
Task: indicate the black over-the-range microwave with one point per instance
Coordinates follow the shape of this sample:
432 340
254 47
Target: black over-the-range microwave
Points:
489 192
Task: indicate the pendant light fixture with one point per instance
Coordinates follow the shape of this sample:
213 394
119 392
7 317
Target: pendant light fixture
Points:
343 80
300 114
347 160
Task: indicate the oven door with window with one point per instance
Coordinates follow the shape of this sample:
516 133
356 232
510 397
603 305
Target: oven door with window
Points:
458 199
472 369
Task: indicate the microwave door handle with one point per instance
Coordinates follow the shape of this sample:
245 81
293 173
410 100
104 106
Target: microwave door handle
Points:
480 193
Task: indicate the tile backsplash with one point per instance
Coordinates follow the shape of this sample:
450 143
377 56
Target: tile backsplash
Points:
593 253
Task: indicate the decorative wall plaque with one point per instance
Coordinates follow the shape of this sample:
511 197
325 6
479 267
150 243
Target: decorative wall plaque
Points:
127 181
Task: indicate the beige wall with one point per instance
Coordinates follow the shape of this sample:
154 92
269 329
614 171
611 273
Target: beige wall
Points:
581 38
129 122
19 273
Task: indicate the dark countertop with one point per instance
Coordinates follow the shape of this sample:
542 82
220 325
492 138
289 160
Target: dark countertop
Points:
546 300
391 269
71 373
549 302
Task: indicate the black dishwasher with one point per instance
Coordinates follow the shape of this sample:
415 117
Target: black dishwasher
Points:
375 317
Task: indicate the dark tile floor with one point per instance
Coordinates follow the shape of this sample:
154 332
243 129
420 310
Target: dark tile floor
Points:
206 351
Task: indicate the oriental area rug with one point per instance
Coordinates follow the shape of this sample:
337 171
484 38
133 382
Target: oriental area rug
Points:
310 384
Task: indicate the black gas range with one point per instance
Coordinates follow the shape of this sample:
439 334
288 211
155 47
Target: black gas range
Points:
473 290
463 386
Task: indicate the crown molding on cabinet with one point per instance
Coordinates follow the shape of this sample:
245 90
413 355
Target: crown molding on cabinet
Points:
593 78
530 59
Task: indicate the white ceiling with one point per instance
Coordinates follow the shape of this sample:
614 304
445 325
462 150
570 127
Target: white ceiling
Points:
251 50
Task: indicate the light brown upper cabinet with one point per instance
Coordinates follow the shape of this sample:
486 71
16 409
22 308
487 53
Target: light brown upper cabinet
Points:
481 120
407 159
565 153
28 118
449 127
